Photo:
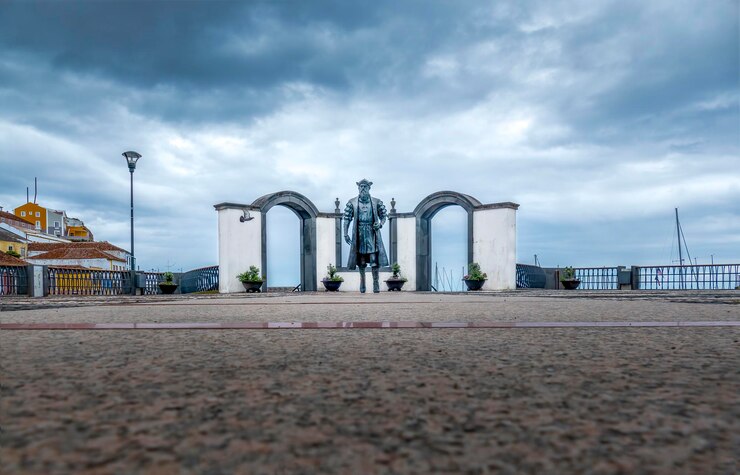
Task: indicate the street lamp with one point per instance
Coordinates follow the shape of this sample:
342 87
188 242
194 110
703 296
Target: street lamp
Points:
131 159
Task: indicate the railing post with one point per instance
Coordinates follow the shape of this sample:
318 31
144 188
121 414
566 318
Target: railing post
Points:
635 278
37 281
29 280
624 278
178 280
139 289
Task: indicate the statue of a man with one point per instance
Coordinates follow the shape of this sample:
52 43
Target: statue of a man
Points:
366 244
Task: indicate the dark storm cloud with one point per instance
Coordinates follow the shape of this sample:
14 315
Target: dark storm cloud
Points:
215 44
190 61
671 58
230 60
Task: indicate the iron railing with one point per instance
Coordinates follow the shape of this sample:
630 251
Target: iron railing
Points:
597 278
530 277
13 280
151 282
696 277
199 280
81 281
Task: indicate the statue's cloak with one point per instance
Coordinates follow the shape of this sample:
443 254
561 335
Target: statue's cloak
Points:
376 208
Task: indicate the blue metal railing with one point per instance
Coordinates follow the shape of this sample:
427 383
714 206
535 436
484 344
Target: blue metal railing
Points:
82 281
151 282
530 277
597 278
13 280
696 277
199 280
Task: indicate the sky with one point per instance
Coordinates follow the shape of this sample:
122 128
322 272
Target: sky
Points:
598 118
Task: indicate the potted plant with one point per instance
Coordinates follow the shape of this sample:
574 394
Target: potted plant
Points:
168 285
568 278
396 281
332 281
474 279
251 279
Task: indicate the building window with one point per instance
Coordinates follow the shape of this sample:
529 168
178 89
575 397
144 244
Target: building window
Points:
38 224
23 214
56 224
38 214
10 248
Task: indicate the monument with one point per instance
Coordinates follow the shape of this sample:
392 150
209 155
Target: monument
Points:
243 235
366 244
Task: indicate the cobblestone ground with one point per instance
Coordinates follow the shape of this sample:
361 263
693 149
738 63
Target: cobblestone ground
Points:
531 306
568 400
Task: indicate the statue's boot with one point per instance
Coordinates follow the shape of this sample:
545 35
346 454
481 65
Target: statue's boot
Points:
362 280
376 283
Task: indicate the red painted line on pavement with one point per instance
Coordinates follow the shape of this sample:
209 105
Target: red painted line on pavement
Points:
350 325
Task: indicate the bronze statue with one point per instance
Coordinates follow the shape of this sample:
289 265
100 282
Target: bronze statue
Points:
366 244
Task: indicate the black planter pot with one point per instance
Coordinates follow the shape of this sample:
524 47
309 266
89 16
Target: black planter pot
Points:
167 288
251 287
394 285
570 284
331 285
474 284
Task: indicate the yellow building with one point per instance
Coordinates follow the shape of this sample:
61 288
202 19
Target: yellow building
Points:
11 242
79 233
33 213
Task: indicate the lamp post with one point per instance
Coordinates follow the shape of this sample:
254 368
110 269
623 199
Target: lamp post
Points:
131 159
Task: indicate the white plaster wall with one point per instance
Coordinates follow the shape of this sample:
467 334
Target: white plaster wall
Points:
239 246
36 236
104 264
494 246
407 250
120 254
325 248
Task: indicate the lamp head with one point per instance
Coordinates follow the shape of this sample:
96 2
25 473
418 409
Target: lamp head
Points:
131 159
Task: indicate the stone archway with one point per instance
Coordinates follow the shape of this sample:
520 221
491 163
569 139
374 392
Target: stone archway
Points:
424 212
307 213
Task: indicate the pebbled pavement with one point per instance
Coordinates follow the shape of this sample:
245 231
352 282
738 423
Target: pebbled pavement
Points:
556 400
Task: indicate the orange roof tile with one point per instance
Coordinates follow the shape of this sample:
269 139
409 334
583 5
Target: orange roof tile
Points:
51 246
76 253
8 260
46 246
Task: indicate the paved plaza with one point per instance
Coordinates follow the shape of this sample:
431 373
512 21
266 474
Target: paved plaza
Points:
427 400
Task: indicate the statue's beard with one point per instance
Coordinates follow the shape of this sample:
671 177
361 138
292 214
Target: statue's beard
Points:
364 196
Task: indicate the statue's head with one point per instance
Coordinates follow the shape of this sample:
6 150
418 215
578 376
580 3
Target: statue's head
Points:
364 187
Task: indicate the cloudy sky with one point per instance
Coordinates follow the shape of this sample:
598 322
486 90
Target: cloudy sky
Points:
598 118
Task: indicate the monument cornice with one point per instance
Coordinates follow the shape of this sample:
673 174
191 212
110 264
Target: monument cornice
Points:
228 205
505 204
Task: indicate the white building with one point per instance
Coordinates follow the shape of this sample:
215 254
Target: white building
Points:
116 257
71 256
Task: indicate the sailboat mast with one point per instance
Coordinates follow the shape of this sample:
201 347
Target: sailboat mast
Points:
680 254
678 235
